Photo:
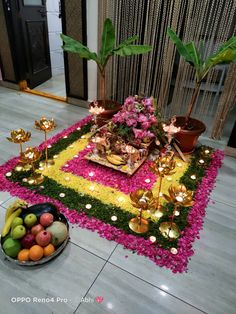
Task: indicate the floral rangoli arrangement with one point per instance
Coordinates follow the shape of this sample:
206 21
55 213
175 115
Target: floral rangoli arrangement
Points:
157 212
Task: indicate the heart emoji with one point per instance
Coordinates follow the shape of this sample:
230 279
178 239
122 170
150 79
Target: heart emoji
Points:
99 299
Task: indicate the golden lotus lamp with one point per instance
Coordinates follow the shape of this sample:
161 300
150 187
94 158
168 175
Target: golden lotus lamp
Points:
162 166
30 156
141 200
179 196
20 136
46 125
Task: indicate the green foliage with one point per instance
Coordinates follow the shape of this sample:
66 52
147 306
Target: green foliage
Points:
224 55
124 131
107 47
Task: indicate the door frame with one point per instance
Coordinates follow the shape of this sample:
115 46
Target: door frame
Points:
68 62
18 55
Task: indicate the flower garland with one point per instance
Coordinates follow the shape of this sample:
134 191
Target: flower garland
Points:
86 218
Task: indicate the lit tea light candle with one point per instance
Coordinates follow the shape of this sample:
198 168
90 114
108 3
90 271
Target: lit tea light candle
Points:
92 188
66 165
147 180
41 186
55 156
207 151
158 214
18 168
88 206
160 194
83 136
41 168
114 218
179 164
91 174
67 178
78 128
24 180
152 239
193 177
176 213
71 146
173 250
65 136
31 181
8 174
62 194
169 179
201 161
120 199
76 156
88 146
49 146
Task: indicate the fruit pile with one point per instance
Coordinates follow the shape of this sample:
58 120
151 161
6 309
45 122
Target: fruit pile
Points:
32 233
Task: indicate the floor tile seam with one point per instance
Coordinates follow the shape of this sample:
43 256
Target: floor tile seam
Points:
95 279
6 201
223 203
151 284
88 251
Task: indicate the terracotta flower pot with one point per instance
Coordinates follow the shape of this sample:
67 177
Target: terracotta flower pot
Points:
111 107
187 138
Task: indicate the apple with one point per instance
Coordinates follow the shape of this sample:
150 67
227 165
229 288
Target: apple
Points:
28 241
36 229
43 238
30 220
18 232
46 219
17 221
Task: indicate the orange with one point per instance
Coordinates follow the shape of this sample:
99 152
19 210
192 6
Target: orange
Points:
23 255
36 252
48 250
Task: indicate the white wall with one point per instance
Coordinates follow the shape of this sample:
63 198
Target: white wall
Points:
92 39
54 31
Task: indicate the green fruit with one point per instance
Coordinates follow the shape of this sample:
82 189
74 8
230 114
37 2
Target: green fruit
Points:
30 220
59 232
18 232
16 222
11 247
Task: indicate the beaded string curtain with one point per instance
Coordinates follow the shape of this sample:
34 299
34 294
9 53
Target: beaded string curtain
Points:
162 73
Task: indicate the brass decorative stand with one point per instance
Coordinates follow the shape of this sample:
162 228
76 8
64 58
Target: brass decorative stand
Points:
30 156
45 125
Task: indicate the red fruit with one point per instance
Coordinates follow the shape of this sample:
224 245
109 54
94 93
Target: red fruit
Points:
43 238
36 229
46 219
28 240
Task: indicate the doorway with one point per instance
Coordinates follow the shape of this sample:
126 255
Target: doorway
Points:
56 84
26 58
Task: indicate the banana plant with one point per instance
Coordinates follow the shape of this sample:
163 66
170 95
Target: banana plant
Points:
225 54
108 49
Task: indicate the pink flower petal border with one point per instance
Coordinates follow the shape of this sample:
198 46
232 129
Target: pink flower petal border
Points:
161 257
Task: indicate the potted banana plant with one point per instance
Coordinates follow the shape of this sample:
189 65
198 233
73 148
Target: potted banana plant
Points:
108 49
191 128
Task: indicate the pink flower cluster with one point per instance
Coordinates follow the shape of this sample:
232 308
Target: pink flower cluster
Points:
162 257
138 114
142 179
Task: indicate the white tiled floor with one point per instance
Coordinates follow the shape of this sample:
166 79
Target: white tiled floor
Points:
91 266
